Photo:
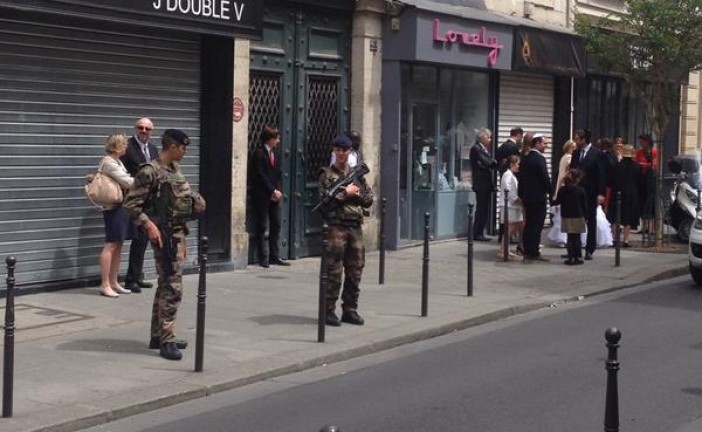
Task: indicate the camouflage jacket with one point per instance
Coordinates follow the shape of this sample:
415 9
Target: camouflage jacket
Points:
162 194
344 210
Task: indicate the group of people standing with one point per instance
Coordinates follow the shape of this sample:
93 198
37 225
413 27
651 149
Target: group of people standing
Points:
589 178
158 202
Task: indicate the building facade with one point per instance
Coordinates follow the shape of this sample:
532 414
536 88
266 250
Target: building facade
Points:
75 72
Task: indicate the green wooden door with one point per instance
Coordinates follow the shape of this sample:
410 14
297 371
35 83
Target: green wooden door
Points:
299 80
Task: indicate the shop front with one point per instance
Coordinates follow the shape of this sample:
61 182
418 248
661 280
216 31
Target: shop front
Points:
439 90
75 71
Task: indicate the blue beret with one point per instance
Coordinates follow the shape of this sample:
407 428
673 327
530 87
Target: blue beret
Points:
176 135
342 141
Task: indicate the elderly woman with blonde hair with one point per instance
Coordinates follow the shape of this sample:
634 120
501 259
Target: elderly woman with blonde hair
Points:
118 226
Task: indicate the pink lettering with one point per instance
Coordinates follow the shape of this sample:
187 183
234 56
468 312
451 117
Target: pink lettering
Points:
479 40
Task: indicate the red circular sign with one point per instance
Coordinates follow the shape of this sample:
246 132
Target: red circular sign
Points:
237 109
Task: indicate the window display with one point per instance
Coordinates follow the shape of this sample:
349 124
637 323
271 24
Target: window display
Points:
442 111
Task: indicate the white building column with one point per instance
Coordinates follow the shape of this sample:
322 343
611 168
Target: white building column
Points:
366 116
240 145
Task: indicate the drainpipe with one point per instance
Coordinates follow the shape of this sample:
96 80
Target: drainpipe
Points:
572 104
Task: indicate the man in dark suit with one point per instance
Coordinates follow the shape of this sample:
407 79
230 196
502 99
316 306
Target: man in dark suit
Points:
509 147
504 151
483 166
589 160
533 189
266 186
140 150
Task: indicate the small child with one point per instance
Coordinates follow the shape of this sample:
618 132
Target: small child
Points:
573 202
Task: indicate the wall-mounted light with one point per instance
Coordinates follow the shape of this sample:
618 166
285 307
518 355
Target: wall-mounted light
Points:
528 9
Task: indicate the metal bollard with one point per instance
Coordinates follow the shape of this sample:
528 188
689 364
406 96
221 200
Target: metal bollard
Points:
505 234
8 371
618 224
699 196
425 267
201 300
469 282
330 428
469 266
323 281
611 420
381 260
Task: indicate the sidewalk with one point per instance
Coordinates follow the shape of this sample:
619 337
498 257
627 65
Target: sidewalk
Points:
82 360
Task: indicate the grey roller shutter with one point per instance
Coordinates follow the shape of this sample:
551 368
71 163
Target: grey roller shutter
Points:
63 90
525 101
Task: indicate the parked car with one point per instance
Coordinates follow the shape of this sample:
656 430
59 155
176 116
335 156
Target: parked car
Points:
682 209
695 250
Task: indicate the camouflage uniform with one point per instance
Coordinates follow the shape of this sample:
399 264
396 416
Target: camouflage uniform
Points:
346 251
162 194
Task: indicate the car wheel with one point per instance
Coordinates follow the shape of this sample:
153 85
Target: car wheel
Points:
696 275
684 229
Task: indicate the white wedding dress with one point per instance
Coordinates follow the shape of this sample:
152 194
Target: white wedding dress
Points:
604 230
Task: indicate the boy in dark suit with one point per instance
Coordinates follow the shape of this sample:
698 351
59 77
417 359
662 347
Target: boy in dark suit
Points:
266 187
140 150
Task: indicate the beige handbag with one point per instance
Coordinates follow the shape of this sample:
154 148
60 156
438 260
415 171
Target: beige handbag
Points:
102 190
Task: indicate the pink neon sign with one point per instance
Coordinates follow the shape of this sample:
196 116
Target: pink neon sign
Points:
470 39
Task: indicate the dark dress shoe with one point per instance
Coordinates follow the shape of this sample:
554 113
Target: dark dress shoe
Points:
588 256
578 262
280 262
482 239
264 264
569 262
332 319
170 351
144 284
133 287
155 343
352 317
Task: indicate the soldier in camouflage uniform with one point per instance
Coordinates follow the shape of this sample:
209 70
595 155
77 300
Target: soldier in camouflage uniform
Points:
161 202
346 251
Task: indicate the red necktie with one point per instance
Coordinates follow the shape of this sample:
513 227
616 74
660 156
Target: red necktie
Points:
271 158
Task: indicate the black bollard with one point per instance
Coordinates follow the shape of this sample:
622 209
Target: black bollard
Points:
505 235
8 371
699 196
330 428
469 282
611 420
425 267
381 246
618 231
201 299
323 281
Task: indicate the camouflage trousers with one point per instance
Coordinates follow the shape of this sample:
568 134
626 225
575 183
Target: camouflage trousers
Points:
345 253
169 291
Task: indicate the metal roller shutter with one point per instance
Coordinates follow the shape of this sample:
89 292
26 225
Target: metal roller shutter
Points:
62 91
526 101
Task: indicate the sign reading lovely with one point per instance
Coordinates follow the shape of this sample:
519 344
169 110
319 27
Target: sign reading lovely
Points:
470 39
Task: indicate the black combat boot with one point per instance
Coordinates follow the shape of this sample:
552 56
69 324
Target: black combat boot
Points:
332 319
350 316
170 351
155 343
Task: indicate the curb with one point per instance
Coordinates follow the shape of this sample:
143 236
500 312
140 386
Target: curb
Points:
95 415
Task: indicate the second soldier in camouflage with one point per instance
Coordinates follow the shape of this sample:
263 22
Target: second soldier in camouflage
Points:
346 251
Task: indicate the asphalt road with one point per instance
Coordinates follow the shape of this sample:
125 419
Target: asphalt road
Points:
539 372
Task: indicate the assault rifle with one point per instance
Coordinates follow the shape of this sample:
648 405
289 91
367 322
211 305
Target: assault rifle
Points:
340 184
169 249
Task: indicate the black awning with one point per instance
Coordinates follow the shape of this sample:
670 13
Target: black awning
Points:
554 53
240 18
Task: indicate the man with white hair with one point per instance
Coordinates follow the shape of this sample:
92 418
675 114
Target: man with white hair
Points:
482 165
